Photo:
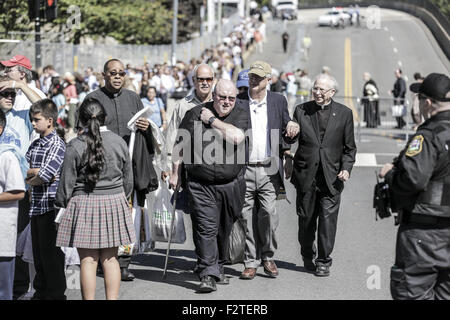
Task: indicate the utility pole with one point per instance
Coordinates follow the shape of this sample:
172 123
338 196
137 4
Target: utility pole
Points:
210 15
174 32
37 36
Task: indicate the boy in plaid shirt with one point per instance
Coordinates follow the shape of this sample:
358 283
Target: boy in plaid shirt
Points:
45 157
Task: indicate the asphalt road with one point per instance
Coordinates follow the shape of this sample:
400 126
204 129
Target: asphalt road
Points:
364 249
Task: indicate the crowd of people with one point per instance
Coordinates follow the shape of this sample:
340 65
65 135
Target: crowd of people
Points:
88 183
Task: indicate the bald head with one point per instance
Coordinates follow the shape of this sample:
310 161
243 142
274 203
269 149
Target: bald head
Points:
224 96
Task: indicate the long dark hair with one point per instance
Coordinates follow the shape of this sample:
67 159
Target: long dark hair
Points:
91 117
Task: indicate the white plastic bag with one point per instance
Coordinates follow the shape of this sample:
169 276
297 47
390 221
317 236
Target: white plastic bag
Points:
161 218
398 110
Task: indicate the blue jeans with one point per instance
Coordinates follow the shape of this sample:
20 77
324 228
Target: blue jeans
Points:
6 277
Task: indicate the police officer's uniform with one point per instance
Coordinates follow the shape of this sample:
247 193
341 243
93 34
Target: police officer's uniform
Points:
420 185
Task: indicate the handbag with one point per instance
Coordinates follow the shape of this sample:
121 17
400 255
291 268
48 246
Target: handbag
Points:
398 110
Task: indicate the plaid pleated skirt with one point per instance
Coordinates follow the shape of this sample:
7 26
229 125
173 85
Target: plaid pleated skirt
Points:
96 222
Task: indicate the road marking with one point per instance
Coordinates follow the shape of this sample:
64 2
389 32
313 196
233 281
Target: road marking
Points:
395 50
386 29
400 64
392 39
348 77
365 160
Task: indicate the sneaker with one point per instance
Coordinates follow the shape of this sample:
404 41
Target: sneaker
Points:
207 285
309 265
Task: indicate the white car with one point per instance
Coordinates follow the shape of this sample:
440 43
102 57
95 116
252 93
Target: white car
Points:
335 18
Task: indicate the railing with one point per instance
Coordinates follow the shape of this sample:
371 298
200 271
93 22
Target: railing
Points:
371 117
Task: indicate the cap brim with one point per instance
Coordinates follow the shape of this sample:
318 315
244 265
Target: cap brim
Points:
8 63
258 72
242 83
415 87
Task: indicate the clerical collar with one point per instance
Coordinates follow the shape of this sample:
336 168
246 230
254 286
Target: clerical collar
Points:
323 106
111 94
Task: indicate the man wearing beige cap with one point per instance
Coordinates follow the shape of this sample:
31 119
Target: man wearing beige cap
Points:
271 132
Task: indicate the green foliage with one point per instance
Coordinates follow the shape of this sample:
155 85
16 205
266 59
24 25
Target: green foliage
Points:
444 6
14 17
129 22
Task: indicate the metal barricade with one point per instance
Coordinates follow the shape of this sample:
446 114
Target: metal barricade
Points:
370 117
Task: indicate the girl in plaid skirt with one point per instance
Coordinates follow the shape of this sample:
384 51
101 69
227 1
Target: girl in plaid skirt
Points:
96 180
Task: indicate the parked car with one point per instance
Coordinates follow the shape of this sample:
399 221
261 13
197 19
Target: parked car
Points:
335 18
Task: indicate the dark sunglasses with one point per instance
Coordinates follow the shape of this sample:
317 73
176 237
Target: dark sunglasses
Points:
115 73
223 98
209 80
5 94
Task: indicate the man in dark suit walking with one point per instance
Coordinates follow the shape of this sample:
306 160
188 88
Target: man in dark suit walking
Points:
271 132
323 162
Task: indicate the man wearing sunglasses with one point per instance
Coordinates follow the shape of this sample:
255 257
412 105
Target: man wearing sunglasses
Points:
203 76
322 163
120 105
419 180
216 186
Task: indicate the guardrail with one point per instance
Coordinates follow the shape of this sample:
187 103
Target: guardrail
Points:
426 11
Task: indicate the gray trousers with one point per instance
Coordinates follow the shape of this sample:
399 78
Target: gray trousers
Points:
6 277
260 215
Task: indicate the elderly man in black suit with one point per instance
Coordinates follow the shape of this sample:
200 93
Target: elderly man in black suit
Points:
271 132
323 162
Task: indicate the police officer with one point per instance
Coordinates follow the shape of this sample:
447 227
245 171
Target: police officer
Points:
419 180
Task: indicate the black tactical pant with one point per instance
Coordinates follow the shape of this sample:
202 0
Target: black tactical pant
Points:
422 262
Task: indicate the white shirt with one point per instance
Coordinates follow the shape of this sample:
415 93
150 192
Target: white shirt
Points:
10 179
259 144
22 102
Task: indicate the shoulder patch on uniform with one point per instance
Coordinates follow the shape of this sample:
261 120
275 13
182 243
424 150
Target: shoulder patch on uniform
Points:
415 146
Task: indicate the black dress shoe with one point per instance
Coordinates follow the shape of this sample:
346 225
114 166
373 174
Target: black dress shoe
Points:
223 279
309 265
207 285
126 274
322 271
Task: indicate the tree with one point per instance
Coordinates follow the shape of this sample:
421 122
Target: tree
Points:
13 17
129 22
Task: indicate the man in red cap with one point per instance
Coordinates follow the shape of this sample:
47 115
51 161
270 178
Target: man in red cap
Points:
18 69
18 72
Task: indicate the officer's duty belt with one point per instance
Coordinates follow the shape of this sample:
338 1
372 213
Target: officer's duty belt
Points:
259 164
428 220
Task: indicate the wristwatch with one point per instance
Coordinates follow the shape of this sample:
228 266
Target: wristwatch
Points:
211 120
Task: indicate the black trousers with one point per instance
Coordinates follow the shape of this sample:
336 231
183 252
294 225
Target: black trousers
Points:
317 210
21 271
50 279
214 210
422 264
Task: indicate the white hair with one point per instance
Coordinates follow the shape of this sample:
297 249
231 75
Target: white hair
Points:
328 78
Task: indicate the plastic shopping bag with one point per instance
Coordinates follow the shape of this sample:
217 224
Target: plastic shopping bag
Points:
162 215
236 246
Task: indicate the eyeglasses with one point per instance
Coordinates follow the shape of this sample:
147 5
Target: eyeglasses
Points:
223 98
209 80
115 73
322 91
5 94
